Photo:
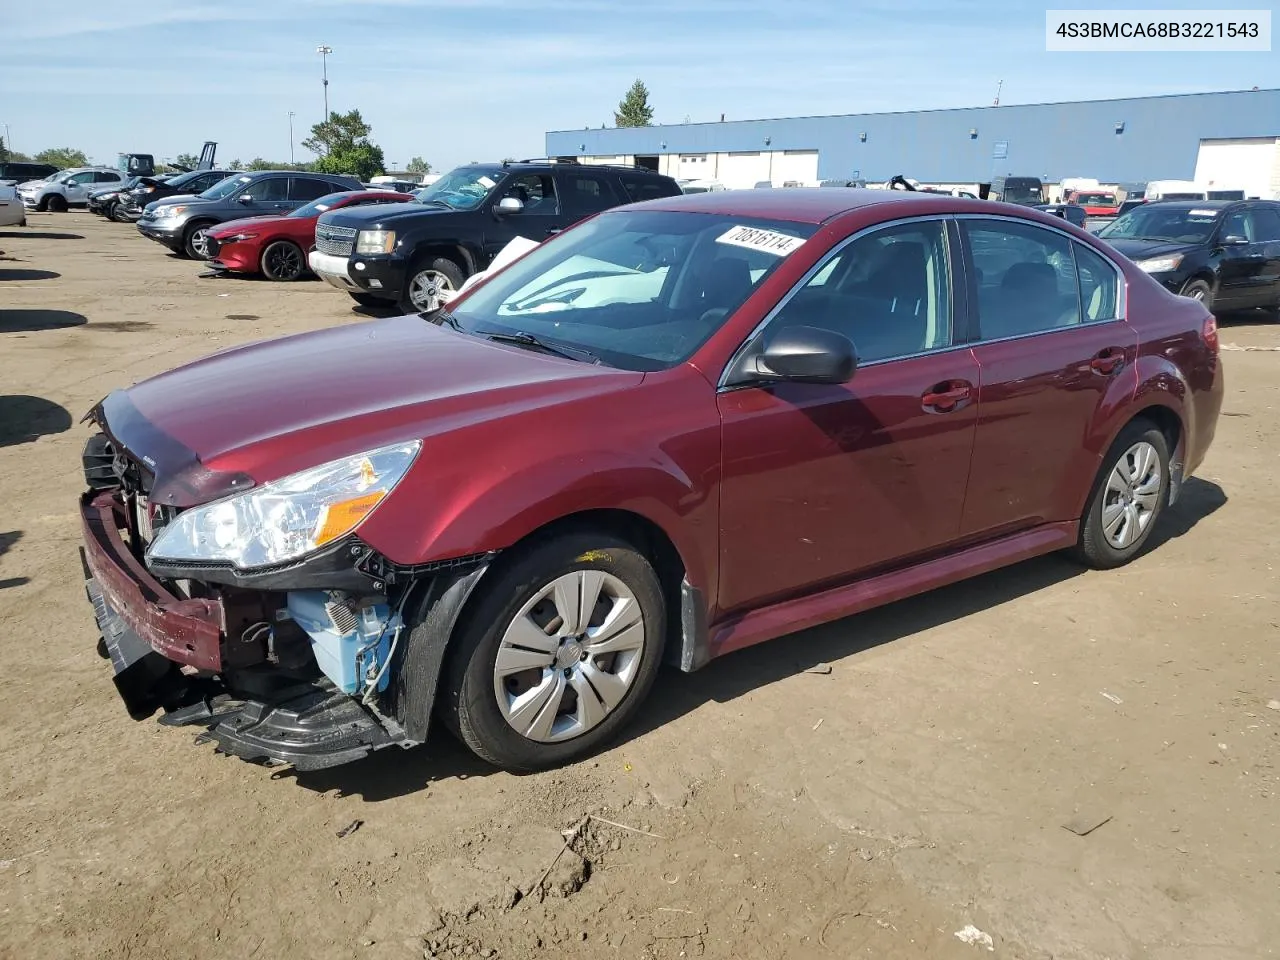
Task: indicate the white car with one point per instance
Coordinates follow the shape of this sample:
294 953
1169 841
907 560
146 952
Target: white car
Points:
12 212
68 188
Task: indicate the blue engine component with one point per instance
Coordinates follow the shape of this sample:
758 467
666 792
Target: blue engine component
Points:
351 646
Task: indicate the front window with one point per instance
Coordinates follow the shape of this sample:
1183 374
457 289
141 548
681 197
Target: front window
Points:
224 189
1161 222
462 189
640 290
317 207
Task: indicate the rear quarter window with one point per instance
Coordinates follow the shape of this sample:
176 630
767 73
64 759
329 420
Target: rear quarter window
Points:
638 189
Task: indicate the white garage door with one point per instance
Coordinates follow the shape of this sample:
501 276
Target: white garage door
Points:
740 170
795 166
1248 165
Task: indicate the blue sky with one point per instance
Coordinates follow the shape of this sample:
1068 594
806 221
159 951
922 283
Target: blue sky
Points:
484 79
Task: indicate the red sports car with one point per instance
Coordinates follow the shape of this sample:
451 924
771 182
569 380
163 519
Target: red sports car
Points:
674 430
277 247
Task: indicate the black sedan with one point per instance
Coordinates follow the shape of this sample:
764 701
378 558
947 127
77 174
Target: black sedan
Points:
1225 253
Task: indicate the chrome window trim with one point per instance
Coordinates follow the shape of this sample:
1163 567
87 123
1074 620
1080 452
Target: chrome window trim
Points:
1122 286
821 264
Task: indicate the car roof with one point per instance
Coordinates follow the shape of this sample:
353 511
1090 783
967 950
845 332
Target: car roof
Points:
810 204
1193 204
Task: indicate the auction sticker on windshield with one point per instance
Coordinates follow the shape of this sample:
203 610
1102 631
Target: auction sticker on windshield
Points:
767 241
1203 213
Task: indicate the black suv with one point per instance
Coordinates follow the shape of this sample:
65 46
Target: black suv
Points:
413 254
13 173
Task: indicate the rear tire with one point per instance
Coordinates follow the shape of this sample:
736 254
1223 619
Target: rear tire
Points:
530 710
194 244
283 261
1129 495
1199 290
56 204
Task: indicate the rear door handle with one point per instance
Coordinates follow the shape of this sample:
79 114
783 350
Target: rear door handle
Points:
947 396
1108 361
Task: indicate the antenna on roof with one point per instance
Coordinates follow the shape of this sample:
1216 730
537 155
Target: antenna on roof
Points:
999 87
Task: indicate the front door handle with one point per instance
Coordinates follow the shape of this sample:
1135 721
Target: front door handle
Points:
553 231
947 396
1108 361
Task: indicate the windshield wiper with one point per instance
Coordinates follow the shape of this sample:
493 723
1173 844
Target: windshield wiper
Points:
443 203
524 339
446 319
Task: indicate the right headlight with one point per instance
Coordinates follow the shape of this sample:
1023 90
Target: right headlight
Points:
1160 264
164 213
289 518
375 241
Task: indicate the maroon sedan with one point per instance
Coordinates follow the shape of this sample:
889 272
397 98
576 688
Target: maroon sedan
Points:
678 429
277 247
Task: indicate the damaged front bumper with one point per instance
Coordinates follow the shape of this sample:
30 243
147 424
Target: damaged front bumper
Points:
269 674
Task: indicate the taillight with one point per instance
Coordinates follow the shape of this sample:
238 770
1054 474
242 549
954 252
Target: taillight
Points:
1210 333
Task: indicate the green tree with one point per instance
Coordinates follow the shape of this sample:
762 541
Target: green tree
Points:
361 160
634 109
257 163
188 160
341 130
62 157
418 165
236 165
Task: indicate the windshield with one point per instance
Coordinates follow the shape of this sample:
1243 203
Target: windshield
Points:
1022 193
1174 224
223 188
462 189
317 207
641 290
1095 199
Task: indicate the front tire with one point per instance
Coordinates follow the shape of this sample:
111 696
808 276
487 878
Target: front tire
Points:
1199 290
428 282
1129 495
283 261
56 204
195 243
556 653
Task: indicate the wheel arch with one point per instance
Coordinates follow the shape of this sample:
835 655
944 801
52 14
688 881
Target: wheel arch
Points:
443 248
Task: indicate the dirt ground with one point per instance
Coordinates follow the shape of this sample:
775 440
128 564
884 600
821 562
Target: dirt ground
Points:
867 789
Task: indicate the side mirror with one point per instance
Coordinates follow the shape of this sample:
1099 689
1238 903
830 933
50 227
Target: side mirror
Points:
244 198
508 205
807 355
1232 240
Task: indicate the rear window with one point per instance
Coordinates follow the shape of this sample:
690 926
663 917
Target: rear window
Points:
640 188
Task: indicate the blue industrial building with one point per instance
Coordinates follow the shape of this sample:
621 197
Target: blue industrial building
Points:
1115 141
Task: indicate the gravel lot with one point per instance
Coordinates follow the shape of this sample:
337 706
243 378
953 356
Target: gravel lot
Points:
866 789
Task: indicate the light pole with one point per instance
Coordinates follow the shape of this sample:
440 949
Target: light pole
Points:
8 142
324 52
291 160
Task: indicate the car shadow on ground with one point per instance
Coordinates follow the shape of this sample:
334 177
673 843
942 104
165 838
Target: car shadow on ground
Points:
27 321
37 235
7 540
21 274
393 773
24 419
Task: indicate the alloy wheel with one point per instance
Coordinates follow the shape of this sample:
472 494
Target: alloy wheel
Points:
1132 495
429 290
284 261
569 656
200 242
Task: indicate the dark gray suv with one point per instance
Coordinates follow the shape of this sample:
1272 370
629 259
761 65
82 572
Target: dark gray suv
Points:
181 222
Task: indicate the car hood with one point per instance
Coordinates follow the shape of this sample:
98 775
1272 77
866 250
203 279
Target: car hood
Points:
255 413
1147 249
379 215
257 223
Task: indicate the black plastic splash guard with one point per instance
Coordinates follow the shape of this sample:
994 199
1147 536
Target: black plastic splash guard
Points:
310 726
